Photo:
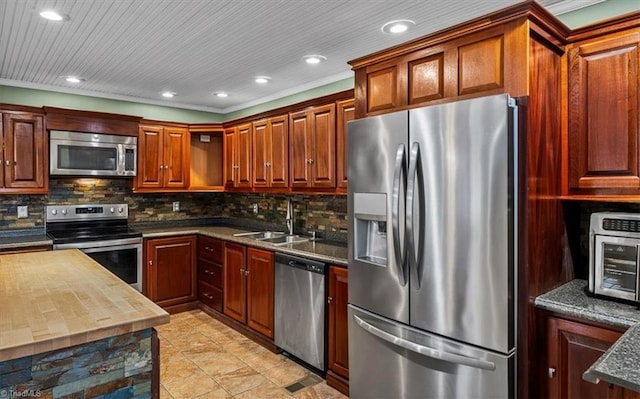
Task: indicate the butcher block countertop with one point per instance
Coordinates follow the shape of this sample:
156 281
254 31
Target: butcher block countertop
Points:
56 299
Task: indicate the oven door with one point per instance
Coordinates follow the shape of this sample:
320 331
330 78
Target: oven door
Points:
121 257
616 267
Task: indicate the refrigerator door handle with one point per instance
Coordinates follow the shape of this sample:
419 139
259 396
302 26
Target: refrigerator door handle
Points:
415 175
425 350
399 183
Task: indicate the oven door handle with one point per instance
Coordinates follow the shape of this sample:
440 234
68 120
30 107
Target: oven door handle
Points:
99 244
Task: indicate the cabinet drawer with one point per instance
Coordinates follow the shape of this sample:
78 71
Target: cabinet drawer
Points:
210 249
210 273
210 295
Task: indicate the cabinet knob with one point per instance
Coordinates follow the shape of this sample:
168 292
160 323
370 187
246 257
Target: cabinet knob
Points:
552 372
329 299
246 272
150 262
310 161
241 271
8 163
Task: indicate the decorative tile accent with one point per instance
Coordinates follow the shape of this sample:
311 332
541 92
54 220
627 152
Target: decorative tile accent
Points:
323 214
116 367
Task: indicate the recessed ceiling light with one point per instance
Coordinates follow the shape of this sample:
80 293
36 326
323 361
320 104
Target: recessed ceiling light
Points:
262 79
73 79
397 26
52 15
168 94
314 59
221 94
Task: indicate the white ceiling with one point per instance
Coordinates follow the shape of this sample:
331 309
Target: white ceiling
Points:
135 49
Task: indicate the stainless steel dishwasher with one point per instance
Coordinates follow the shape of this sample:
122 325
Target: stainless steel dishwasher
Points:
299 308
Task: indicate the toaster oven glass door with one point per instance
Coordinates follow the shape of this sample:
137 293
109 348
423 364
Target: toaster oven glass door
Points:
617 267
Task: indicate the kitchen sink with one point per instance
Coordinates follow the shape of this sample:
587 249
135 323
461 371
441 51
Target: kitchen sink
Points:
261 235
286 239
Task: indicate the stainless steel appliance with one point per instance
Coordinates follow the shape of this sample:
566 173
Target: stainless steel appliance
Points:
614 255
432 212
90 154
102 232
299 308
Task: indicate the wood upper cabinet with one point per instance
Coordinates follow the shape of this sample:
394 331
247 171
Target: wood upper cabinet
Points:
163 157
338 343
170 265
24 157
249 287
271 152
345 111
260 291
237 154
312 159
572 348
445 65
603 114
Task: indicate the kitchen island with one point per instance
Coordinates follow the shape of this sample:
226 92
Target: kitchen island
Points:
68 327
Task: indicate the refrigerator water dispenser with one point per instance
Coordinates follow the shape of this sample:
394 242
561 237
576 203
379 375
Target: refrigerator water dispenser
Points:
370 225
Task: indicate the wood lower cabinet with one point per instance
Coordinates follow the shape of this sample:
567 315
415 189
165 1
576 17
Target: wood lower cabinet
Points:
210 272
338 337
170 269
25 160
163 157
249 287
572 347
604 84
312 157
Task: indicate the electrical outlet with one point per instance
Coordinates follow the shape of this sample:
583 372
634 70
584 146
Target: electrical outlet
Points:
176 206
255 209
23 212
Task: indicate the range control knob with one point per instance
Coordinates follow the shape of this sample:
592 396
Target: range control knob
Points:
54 211
112 210
120 210
64 211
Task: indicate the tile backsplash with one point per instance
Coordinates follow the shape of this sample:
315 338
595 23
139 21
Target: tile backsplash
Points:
325 214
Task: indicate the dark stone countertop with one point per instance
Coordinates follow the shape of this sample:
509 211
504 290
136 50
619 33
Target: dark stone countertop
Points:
620 365
320 250
13 239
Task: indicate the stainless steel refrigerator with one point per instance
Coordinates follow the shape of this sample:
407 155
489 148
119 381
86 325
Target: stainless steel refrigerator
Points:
432 251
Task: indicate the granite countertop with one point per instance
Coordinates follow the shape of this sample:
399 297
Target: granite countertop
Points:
56 299
316 250
620 365
23 239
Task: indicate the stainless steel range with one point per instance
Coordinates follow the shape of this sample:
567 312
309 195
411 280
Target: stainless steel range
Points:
102 232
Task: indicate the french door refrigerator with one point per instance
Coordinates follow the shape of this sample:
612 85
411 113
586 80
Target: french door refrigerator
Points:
432 211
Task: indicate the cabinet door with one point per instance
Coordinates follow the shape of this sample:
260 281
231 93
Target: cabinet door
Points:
338 322
572 348
176 157
323 146
244 155
234 281
24 151
171 270
230 157
345 113
261 152
481 65
300 136
150 157
279 156
603 113
260 291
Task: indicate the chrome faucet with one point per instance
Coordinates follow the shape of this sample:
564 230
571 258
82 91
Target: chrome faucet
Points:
290 216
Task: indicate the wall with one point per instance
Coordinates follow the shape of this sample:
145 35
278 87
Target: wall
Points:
325 214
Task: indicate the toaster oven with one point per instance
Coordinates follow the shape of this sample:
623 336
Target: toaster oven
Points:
614 255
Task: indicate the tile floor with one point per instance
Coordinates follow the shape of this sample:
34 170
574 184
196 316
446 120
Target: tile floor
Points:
202 358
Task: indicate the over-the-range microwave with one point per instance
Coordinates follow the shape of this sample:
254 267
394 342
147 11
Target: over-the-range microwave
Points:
90 154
